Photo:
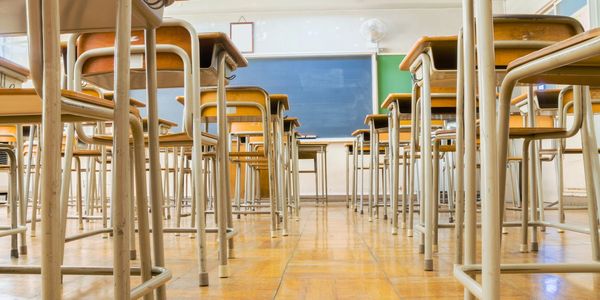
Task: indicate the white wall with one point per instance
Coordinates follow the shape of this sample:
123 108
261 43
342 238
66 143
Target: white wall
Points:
334 31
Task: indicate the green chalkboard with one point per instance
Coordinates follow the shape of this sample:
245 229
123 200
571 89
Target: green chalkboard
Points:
389 77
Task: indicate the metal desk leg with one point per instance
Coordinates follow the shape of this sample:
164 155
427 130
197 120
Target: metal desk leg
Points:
120 192
491 232
156 193
426 157
222 159
21 189
395 169
36 185
51 128
459 170
325 175
411 173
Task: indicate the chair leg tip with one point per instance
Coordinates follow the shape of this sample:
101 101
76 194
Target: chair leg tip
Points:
421 249
273 233
132 254
523 248
534 246
394 231
284 233
14 253
23 250
429 265
231 253
203 279
223 271
403 225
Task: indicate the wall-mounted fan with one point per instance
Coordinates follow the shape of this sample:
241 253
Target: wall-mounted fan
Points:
373 30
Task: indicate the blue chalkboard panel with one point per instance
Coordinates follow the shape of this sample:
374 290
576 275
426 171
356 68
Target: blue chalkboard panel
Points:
330 95
168 107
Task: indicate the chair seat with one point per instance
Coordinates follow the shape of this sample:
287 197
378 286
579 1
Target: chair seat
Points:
584 72
247 154
87 153
25 105
574 151
170 139
447 148
518 132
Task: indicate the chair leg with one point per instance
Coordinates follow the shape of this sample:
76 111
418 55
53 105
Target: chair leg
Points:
32 131
139 179
78 194
590 158
405 195
559 182
179 183
65 184
36 186
525 196
103 186
12 201
21 189
434 204
131 211
533 196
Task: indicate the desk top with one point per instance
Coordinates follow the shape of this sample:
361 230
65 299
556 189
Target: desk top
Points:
515 36
290 121
79 16
279 98
209 39
572 77
109 95
161 122
396 97
380 120
444 45
14 67
361 131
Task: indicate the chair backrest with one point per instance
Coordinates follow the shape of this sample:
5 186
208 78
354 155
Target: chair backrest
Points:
99 70
8 133
594 94
244 104
541 121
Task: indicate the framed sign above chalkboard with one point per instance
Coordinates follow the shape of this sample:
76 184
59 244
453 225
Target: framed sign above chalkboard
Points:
242 35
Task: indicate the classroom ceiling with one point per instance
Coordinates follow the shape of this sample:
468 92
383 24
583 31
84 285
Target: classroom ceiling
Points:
252 6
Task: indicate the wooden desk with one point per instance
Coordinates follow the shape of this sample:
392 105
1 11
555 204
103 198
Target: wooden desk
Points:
317 151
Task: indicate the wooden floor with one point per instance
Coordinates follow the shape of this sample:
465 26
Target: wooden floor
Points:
331 253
